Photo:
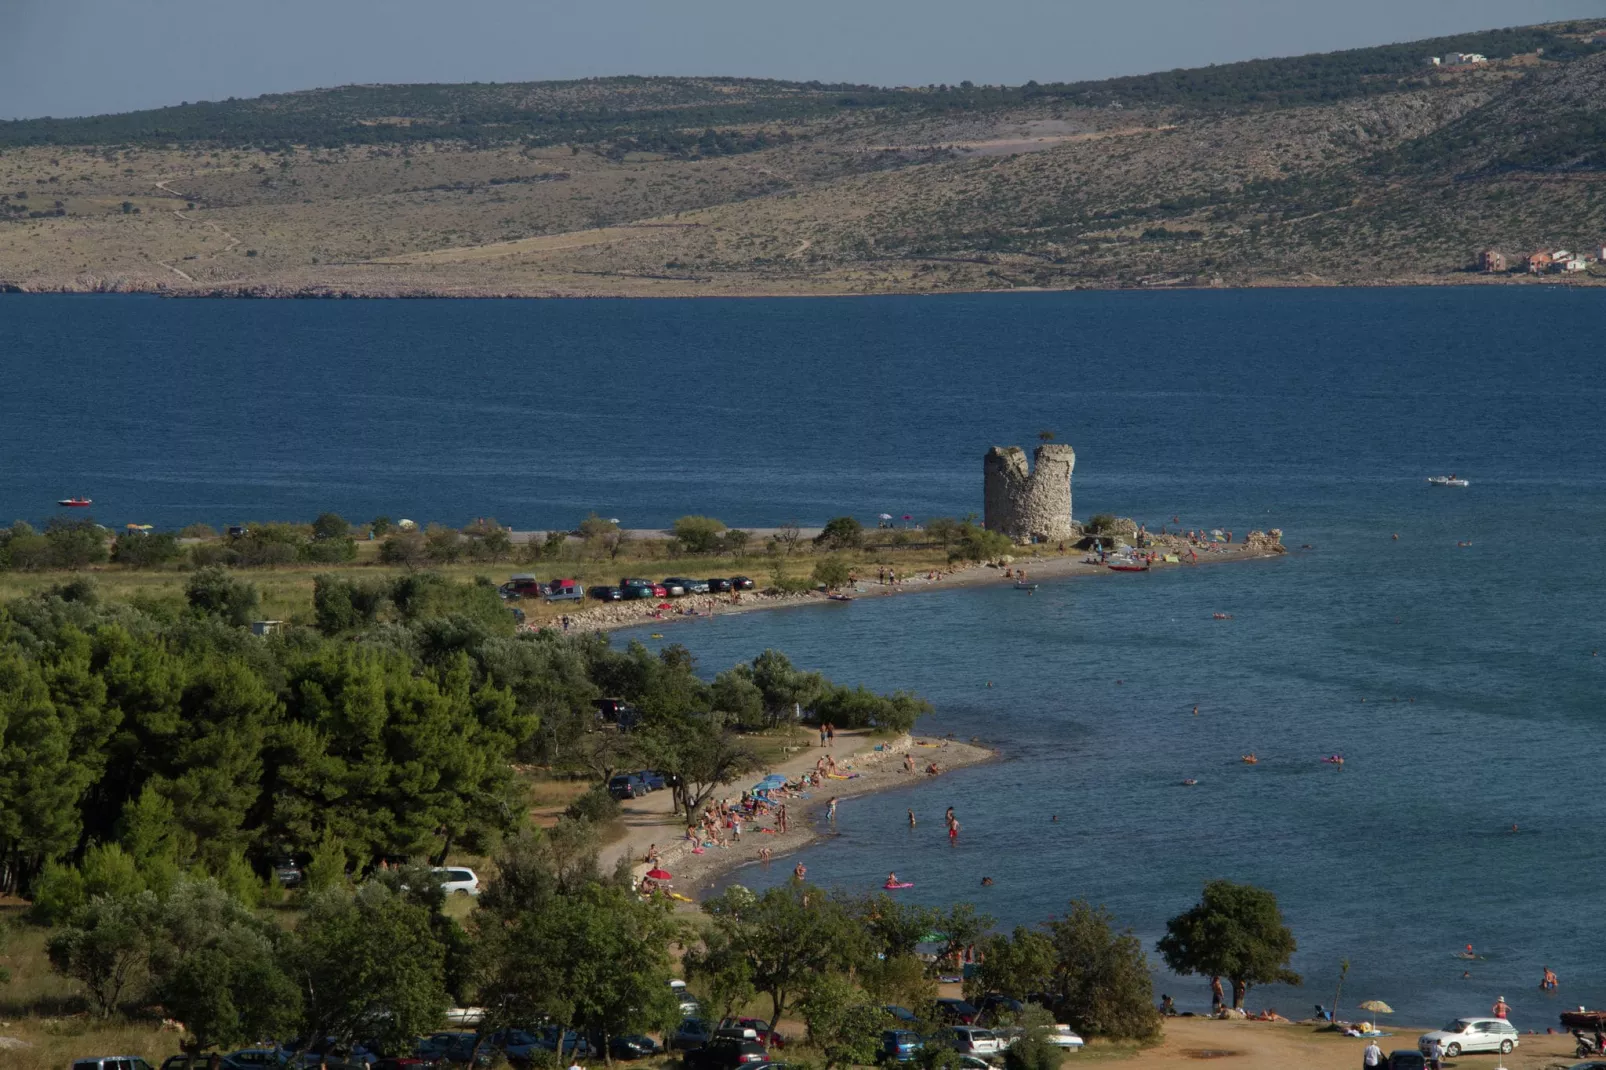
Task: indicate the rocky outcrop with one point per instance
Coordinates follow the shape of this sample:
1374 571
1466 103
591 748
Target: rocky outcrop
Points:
1026 504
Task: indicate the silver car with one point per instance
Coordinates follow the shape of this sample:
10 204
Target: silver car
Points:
1471 1034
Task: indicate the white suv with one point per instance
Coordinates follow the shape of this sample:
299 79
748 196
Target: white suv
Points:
457 879
1472 1034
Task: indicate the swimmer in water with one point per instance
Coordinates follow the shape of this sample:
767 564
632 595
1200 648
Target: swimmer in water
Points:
1056 817
1196 711
799 871
892 878
986 882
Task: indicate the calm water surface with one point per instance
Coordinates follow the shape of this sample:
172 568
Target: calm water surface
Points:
1320 412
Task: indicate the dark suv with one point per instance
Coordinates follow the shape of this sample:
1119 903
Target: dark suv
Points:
718 585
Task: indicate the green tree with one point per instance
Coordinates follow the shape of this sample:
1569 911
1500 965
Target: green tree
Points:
784 686
701 756
212 592
944 530
978 544
380 526
403 548
841 533
857 707
1235 931
343 605
105 947
1101 982
842 1021
698 534
75 542
1032 1049
442 545
594 526
786 939
358 951
832 572
735 696
331 526
136 549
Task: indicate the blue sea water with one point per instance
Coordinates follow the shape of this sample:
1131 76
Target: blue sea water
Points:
1319 412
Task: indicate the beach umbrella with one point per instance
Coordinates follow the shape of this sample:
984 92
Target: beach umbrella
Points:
1376 1006
659 874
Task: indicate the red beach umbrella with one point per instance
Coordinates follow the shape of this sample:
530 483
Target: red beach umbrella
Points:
659 874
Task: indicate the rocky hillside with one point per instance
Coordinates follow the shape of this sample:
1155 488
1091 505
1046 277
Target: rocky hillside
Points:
1357 167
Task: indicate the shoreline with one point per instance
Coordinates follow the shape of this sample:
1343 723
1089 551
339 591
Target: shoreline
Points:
875 767
620 615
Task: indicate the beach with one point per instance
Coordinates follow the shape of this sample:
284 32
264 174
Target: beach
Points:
870 765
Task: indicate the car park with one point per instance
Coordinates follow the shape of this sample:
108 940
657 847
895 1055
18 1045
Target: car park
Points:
726 1051
718 585
901 1014
993 1006
1466 1035
605 593
973 1040
757 1028
457 879
899 1046
454 1048
956 1011
697 587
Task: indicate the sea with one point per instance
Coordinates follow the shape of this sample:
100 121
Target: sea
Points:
1443 640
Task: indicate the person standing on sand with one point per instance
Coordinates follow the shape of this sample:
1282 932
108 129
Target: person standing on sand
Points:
822 733
1501 1008
1373 1056
908 762
1435 1054
1215 994
830 734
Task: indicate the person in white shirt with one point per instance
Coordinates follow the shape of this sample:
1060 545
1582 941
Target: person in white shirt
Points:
1373 1057
1435 1053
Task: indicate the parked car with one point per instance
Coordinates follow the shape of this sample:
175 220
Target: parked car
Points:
973 1040
697 587
741 583
1472 1034
902 1014
457 879
288 873
524 585
574 1045
653 779
758 1027
955 1010
660 591
718 585
690 1005
634 581
630 592
515 1043
627 786
605 594
633 1046
1063 1036
565 591
675 587
692 1033
725 1051
992 1006
899 1046
454 1047
111 1062
1405 1059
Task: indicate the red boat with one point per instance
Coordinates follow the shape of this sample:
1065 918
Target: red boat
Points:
1134 566
75 503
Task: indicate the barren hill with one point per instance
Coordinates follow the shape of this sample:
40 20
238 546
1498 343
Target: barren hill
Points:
1357 167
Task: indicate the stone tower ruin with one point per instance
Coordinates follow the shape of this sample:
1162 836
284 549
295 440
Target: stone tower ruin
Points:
1026 504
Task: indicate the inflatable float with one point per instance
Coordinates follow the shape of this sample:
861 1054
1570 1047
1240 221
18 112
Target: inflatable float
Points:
893 887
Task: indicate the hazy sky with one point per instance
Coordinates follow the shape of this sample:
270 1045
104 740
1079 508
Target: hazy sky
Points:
77 57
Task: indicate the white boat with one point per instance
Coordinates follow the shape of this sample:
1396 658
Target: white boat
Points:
1447 481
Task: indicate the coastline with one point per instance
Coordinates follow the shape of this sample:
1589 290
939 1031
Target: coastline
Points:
873 767
620 615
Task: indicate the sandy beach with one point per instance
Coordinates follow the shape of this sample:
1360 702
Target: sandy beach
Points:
870 766
1045 565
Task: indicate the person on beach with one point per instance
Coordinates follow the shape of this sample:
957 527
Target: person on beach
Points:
1435 1054
799 871
652 855
1372 1056
908 762
1501 1008
1215 994
822 733
932 770
830 734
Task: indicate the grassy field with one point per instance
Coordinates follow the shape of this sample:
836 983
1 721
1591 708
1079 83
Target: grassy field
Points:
287 590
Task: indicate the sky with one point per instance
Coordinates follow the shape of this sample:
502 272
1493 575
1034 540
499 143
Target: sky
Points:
83 57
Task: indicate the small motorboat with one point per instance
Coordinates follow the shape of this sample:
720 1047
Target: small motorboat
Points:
840 597
74 503
1451 480
1024 585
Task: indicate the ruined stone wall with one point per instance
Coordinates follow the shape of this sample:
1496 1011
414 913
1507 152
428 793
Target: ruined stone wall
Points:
1024 503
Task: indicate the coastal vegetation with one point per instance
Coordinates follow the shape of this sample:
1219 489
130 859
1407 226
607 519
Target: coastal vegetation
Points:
1351 167
161 768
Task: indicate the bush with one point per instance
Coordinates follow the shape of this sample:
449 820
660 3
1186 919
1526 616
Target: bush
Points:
330 526
1033 1050
442 545
139 550
1101 524
979 544
403 548
833 572
75 543
596 806
856 707
698 534
197 531
212 592
841 533
330 551
735 541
